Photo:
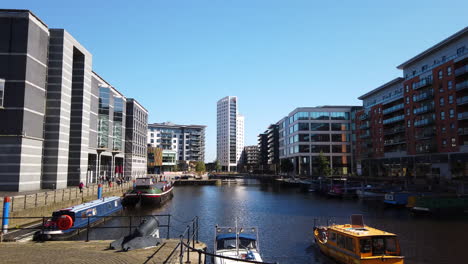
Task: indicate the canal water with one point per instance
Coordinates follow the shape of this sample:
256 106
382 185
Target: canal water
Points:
285 217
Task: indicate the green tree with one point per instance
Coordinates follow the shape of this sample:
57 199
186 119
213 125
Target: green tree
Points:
323 165
200 167
286 165
217 166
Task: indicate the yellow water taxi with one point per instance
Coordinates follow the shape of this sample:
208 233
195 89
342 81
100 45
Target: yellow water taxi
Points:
357 243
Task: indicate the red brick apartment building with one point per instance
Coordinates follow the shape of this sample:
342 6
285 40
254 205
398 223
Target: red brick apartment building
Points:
417 125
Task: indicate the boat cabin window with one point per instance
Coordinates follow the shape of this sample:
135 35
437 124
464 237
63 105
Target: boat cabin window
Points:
333 236
350 244
142 187
345 242
341 241
385 245
230 243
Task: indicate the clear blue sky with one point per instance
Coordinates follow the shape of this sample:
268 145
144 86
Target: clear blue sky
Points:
179 57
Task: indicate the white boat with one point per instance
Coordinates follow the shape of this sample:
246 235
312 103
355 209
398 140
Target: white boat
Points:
236 242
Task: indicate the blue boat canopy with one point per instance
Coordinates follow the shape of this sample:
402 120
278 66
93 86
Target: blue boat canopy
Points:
233 236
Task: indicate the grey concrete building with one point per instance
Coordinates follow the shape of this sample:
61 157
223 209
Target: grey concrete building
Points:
136 140
62 124
23 70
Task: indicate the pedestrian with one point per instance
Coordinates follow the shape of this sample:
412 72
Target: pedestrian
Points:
81 186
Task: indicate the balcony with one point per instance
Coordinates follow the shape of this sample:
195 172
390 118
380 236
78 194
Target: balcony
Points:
463 116
393 108
462 131
426 148
423 96
462 70
462 101
364 126
423 122
461 86
394 119
395 141
423 109
422 83
366 135
425 134
363 117
394 130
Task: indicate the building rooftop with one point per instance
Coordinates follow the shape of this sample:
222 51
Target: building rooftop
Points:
172 125
434 48
136 102
382 87
23 11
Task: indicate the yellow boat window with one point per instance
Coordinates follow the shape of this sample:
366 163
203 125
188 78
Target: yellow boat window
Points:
366 245
391 244
333 236
349 244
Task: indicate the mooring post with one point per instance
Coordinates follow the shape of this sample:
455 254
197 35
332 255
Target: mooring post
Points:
168 225
6 214
87 231
181 255
99 191
188 244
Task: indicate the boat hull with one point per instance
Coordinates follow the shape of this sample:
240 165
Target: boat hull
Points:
150 199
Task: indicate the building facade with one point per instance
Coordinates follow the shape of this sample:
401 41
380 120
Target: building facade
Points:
308 131
423 117
263 152
65 124
273 160
230 133
136 133
249 158
187 141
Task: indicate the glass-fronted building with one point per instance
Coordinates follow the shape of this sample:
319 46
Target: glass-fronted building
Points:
308 131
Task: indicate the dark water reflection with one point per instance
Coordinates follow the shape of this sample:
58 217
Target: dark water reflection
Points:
285 219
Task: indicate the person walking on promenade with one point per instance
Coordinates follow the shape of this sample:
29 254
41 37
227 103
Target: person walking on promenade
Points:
81 186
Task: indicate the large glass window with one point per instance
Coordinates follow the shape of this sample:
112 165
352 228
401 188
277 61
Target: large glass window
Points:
339 127
2 91
340 138
304 148
320 126
304 138
118 117
301 116
319 115
320 138
103 122
303 126
340 149
320 148
339 115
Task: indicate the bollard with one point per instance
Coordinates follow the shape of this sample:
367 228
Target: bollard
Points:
6 214
99 191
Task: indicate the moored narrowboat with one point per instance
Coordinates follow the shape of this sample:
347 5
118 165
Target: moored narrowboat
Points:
67 222
148 192
438 204
357 243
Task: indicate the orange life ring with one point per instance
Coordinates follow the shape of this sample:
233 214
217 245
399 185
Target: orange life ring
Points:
65 222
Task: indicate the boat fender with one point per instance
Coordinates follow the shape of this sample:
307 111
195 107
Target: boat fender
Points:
64 222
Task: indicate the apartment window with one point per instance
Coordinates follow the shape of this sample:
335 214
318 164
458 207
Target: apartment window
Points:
443 129
441 101
408 111
440 74
454 143
2 91
449 70
444 142
158 135
407 88
407 99
409 123
450 99
461 50
158 140
152 140
452 113
452 125
442 115
152 134
441 88
449 85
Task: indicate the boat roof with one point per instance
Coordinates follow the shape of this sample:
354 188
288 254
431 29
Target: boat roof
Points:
233 236
359 231
91 204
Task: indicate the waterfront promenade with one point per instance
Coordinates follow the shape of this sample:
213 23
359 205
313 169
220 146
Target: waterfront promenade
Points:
89 252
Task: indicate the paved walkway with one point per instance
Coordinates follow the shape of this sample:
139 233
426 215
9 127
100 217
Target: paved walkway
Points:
86 252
